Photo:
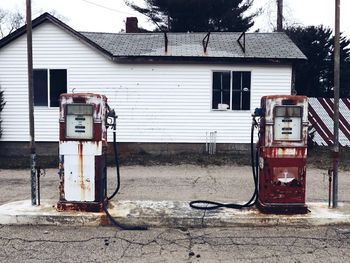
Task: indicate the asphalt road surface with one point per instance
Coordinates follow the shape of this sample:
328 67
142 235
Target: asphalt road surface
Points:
184 182
172 182
105 244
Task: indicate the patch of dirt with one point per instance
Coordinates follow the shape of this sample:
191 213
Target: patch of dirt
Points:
322 157
318 157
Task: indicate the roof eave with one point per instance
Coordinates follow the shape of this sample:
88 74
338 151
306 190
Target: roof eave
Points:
196 60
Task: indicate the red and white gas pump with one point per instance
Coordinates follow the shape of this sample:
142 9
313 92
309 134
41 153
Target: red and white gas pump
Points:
282 148
279 164
82 152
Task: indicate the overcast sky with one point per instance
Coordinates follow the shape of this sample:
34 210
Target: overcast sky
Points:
109 15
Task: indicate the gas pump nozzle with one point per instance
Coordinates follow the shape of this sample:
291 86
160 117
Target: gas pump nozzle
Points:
258 112
111 115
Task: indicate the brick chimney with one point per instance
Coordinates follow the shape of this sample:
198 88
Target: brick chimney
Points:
131 25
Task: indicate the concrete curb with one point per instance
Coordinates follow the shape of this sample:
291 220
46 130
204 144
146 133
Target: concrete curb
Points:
172 214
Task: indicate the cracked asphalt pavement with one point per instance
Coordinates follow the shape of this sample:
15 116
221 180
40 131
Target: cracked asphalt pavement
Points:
183 182
106 244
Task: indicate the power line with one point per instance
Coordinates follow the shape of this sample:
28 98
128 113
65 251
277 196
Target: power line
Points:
117 11
107 8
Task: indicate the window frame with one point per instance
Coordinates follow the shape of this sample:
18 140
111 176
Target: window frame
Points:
231 90
212 88
49 86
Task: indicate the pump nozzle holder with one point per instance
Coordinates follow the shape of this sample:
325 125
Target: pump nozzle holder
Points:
258 112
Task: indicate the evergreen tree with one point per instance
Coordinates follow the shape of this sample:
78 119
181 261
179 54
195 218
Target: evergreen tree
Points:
314 77
344 90
198 15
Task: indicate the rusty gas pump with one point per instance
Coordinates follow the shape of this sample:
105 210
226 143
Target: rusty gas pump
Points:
279 162
82 152
84 120
282 149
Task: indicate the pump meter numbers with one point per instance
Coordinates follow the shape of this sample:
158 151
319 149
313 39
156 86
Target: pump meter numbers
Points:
287 123
79 123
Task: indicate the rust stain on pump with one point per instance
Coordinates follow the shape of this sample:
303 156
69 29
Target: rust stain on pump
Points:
82 146
282 148
81 171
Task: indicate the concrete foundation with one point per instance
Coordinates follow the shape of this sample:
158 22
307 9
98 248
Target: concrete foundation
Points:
170 214
19 149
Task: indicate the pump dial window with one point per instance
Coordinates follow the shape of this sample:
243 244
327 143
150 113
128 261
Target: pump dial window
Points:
288 121
79 121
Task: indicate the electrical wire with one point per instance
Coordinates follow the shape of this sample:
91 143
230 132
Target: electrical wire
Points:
107 8
122 12
212 205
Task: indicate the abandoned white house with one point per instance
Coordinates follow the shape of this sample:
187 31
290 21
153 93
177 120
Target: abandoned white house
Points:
169 90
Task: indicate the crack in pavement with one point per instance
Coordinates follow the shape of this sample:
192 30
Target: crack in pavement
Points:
49 240
202 219
189 245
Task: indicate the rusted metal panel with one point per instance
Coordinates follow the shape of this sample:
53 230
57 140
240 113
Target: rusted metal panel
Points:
284 152
282 163
79 169
269 104
82 157
99 103
86 148
79 173
80 206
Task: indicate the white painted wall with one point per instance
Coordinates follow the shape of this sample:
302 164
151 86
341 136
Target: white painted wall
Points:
155 103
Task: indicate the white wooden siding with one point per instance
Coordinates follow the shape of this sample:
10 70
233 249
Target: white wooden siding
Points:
155 103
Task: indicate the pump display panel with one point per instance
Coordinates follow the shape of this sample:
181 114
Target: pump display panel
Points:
79 121
288 123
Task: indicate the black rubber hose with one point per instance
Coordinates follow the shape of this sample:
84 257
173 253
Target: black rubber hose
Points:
116 160
211 205
105 203
119 225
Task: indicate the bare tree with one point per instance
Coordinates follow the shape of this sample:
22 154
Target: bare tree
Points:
10 21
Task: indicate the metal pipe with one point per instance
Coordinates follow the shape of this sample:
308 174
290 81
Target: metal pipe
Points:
279 15
330 171
336 102
210 142
206 141
38 173
31 101
215 132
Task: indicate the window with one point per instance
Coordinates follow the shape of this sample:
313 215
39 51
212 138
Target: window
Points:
48 85
241 90
221 89
231 90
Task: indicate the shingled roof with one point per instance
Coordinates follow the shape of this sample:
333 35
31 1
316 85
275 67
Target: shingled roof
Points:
143 47
220 45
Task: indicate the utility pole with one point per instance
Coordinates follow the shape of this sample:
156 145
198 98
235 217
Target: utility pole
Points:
30 101
336 102
279 15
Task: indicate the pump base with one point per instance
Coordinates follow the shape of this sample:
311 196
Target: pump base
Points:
63 206
282 209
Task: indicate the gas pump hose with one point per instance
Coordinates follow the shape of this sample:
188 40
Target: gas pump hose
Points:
212 205
105 203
